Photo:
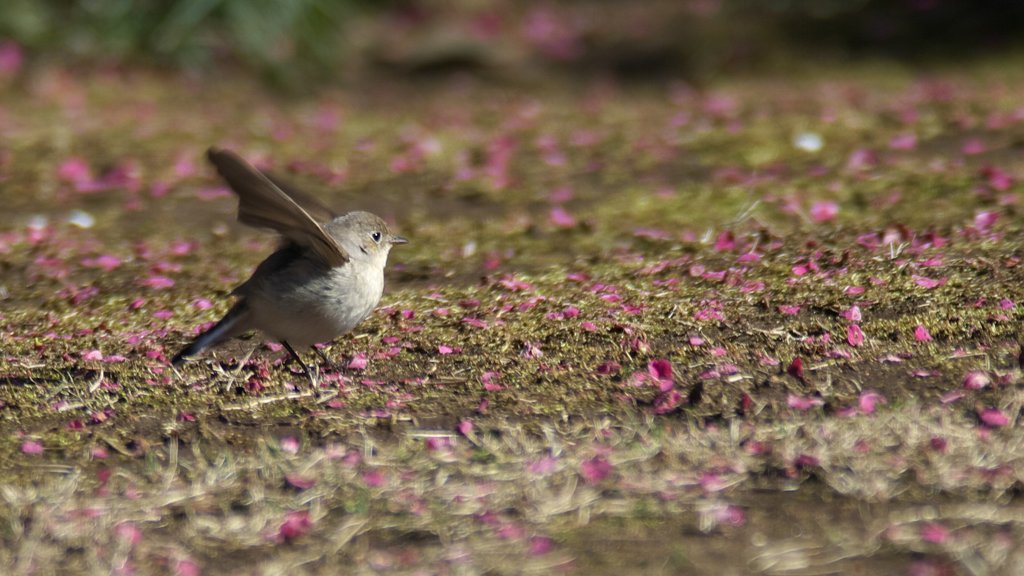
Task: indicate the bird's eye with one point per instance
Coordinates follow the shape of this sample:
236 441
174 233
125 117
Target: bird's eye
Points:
375 236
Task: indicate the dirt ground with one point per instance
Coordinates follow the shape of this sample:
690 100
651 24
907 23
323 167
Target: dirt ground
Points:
765 326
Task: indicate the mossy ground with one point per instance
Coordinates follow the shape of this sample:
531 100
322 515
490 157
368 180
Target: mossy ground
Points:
564 240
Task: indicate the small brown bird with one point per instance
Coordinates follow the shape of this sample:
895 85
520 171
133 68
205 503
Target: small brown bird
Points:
326 277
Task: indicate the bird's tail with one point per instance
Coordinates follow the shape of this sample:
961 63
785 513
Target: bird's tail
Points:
232 324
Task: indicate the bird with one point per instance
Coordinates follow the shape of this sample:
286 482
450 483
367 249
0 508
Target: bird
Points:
326 276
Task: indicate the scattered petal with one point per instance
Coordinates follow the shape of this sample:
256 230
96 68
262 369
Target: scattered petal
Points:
539 546
852 313
595 469
823 211
158 282
869 399
32 447
542 467
929 283
934 533
796 368
299 481
976 380
803 402
374 478
854 335
993 417
296 524
561 218
358 362
290 445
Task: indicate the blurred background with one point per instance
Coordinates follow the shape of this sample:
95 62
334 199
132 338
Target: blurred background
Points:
303 43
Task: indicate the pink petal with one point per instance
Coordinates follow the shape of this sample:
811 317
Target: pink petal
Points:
74 171
730 515
997 179
862 159
158 282
660 369
539 546
985 219
667 401
852 313
973 146
11 58
299 482
106 262
128 532
805 461
187 567
796 368
531 350
296 524
903 142
824 211
976 380
854 335
290 445
561 218
868 400
32 447
542 467
934 533
373 478
921 334
929 283
595 469
950 397
993 417
358 362
803 402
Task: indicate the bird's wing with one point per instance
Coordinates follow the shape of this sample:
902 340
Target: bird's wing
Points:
312 205
282 258
263 204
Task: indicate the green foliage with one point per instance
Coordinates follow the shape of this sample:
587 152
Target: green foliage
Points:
287 40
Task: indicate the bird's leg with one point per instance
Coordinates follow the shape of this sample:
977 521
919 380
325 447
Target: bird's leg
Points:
305 369
323 357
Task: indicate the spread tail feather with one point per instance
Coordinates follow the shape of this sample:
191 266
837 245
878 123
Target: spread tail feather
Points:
233 323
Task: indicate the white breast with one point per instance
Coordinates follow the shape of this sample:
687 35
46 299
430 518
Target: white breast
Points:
319 307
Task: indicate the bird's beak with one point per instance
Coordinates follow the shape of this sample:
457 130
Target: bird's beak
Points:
399 240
